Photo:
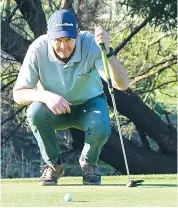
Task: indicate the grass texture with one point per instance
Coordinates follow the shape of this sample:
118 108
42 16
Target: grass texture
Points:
155 191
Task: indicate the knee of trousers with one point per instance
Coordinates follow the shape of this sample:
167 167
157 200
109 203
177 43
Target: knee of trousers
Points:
36 113
99 132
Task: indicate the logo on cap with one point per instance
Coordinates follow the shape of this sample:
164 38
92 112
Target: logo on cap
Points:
62 24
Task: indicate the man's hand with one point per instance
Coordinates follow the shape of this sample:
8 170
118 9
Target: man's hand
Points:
57 104
102 36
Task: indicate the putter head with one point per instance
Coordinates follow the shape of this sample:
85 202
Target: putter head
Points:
134 183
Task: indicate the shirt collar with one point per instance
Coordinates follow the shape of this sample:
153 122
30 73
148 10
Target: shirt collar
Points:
75 58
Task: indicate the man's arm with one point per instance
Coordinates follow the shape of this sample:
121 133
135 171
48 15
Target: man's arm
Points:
25 96
56 103
118 74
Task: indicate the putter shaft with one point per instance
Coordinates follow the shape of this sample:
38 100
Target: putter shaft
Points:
111 91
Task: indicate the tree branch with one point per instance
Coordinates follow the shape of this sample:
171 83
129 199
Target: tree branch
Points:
134 32
12 14
66 4
7 138
168 94
12 43
33 13
138 79
157 87
6 85
12 116
155 65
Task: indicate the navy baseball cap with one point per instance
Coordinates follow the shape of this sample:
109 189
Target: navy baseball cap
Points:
62 23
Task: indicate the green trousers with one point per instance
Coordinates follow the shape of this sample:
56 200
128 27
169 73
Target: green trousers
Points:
92 117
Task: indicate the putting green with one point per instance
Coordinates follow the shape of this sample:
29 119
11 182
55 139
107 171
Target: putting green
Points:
155 191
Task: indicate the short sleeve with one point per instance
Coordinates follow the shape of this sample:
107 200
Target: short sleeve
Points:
28 75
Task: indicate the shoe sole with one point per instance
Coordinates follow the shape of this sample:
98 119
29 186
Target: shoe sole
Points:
85 183
42 183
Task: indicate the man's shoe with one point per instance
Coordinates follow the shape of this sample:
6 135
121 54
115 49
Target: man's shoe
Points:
51 173
91 175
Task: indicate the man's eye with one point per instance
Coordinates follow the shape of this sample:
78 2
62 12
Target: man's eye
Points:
67 39
60 40
57 39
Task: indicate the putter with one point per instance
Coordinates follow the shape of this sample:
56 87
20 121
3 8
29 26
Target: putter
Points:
131 183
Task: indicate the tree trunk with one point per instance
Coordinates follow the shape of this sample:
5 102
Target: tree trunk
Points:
140 161
131 106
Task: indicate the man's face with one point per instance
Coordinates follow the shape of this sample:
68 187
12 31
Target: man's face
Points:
63 46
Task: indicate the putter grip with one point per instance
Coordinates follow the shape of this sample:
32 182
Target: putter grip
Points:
102 47
106 67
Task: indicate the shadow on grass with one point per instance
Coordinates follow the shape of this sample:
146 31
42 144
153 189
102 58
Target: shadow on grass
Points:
79 201
124 185
159 185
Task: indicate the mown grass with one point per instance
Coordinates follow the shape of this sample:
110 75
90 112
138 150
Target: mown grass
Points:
155 191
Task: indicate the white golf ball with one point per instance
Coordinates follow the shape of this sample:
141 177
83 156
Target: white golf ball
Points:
68 197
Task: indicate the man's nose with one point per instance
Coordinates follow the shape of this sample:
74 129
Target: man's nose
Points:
63 44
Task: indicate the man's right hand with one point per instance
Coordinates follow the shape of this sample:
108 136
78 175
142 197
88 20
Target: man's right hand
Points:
57 104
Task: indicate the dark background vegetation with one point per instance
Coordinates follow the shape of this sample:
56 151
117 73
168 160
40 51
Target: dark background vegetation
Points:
143 34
